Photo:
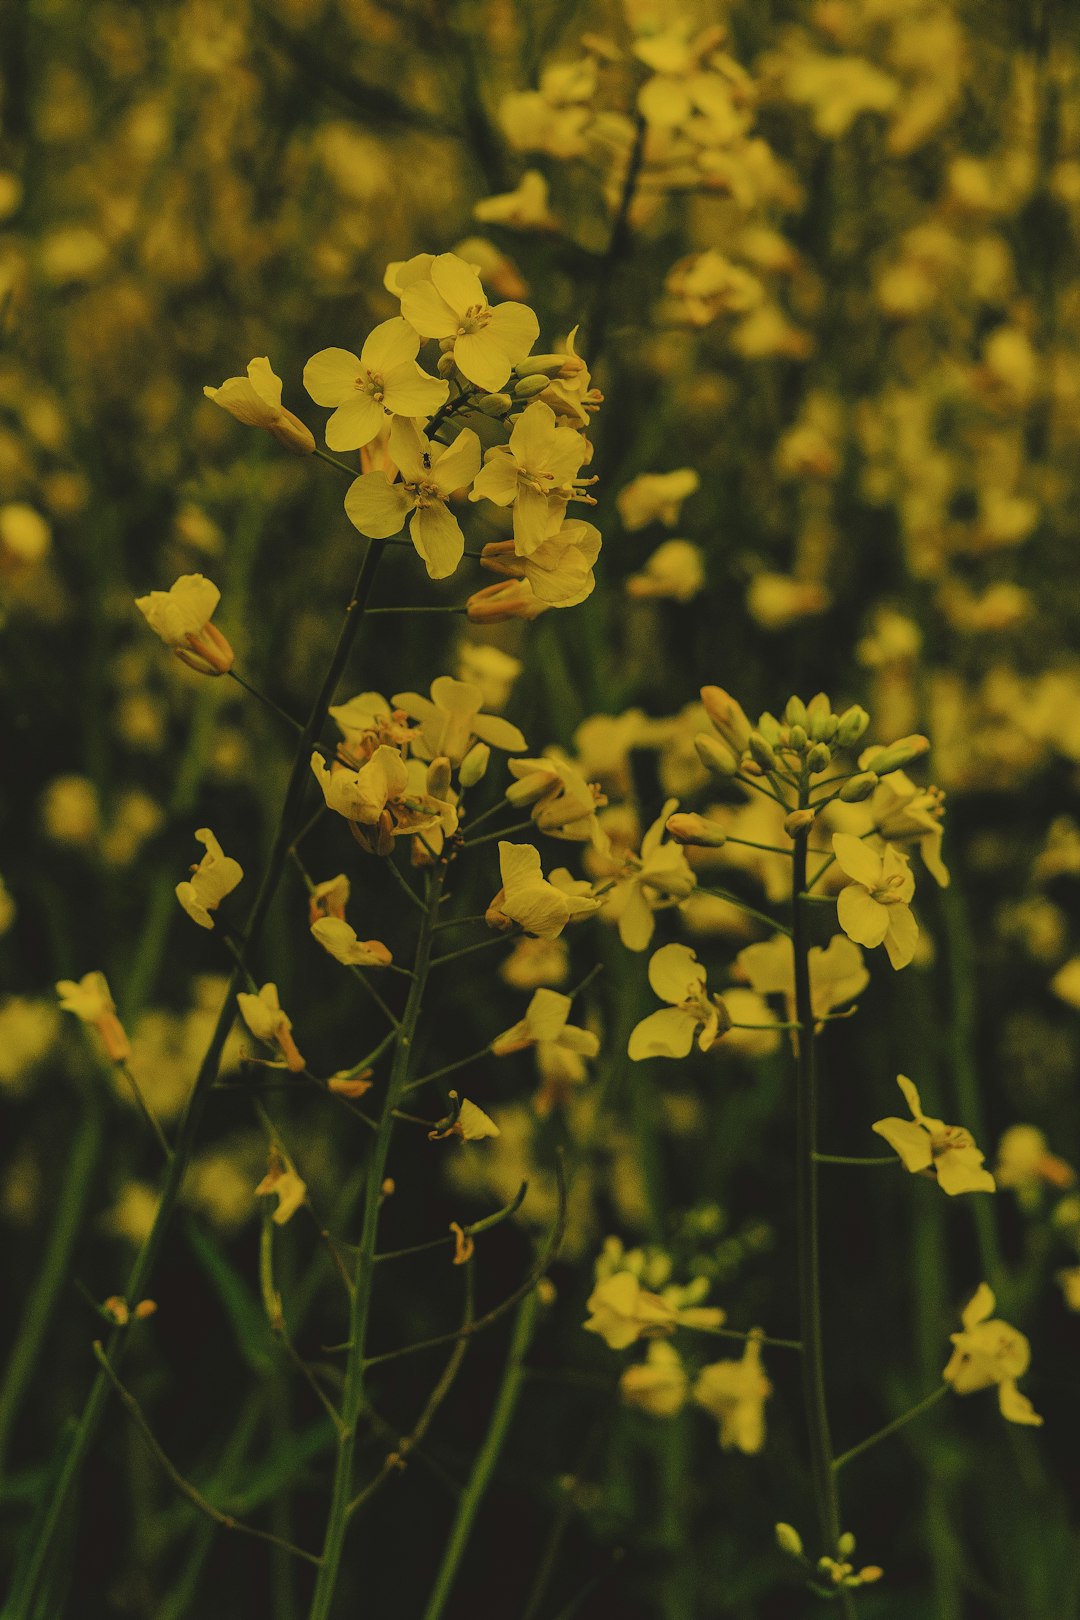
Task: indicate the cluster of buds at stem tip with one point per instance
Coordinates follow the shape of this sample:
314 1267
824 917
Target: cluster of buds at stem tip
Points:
828 1575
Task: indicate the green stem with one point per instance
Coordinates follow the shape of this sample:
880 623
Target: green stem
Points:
354 1395
86 1428
268 702
842 1158
332 461
891 1428
503 832
751 911
808 1233
449 1068
487 1456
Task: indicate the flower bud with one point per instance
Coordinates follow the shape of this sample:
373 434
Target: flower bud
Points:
545 365
693 829
438 777
493 404
789 1540
506 599
795 711
769 727
899 755
715 756
474 765
859 787
846 1545
528 387
798 822
797 739
445 364
292 434
819 758
761 752
727 716
851 726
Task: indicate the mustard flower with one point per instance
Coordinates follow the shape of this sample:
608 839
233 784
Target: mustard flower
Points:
989 1352
873 908
429 476
1025 1164
365 390
450 304
181 617
263 1015
329 898
540 907
735 1393
655 498
658 1385
523 209
904 813
450 720
675 571
380 800
561 1048
339 940
642 884
559 572
536 473
491 669
563 802
837 972
678 977
554 117
924 1143
534 963
216 875
507 599
90 999
469 1123
570 392
255 400
680 88
282 1182
621 1311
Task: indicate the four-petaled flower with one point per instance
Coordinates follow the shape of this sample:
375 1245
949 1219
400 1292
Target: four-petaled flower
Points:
216 875
679 978
380 800
988 1352
540 907
735 1392
90 999
263 1015
643 884
536 473
337 938
873 909
450 720
621 1311
450 303
559 572
384 380
924 1143
429 476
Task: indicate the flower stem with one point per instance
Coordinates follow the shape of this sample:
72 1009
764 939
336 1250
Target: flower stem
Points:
735 900
842 1158
891 1428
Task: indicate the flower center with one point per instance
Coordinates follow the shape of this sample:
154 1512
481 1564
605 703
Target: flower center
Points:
474 319
888 894
371 382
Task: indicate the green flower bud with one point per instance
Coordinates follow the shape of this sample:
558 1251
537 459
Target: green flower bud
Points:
445 365
438 777
899 755
541 365
715 756
473 766
798 739
851 726
493 404
846 1545
528 386
819 758
789 1540
761 752
769 727
692 829
727 716
799 821
859 787
795 711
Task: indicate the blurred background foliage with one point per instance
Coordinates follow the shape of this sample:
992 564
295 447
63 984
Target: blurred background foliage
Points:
858 322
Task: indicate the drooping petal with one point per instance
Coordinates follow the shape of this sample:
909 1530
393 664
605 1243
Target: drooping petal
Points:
668 1033
355 423
493 729
531 519
409 391
430 314
902 935
911 1096
857 860
1015 1407
458 464
458 283
980 1307
907 1139
961 1170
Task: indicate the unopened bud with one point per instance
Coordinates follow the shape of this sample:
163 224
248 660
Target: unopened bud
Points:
528 387
693 829
798 822
851 726
789 1540
474 765
727 716
715 756
797 738
438 777
445 364
846 1545
145 1308
819 758
860 787
769 727
795 711
493 404
899 755
761 752
506 599
542 365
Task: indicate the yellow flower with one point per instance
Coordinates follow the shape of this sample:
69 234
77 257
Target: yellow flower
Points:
659 1384
536 473
329 898
873 909
469 1123
339 940
904 813
924 1143
255 400
545 1024
553 118
536 962
181 617
489 668
282 1182
989 1352
621 1311
679 978
429 476
450 303
540 907
676 571
559 573
563 802
1026 1164
655 498
90 999
450 720
523 209
264 1017
642 884
380 800
506 599
837 972
384 380
735 1392
216 875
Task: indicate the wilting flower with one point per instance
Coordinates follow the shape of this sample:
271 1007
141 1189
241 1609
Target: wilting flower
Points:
451 304
561 1048
263 1015
563 803
216 875
539 906
255 400
282 1182
338 939
90 999
381 801
329 898
181 617
989 1352
679 978
429 476
384 380
873 909
924 1143
735 1392
469 1123
507 599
